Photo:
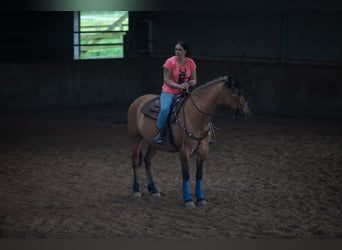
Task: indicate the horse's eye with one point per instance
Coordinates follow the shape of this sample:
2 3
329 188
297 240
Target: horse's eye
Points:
237 84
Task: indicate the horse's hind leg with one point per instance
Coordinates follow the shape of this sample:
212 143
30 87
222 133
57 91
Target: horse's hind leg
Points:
151 152
137 158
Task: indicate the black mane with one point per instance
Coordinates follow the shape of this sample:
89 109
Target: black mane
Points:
212 82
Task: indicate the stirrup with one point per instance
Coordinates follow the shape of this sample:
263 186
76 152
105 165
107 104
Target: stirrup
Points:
158 139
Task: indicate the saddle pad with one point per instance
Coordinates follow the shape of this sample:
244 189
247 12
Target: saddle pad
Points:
152 108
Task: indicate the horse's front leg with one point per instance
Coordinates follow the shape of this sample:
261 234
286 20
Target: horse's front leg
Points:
201 157
184 157
199 174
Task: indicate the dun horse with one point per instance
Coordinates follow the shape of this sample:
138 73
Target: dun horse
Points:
189 133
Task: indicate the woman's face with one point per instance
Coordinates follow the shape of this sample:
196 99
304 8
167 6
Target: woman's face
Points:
179 50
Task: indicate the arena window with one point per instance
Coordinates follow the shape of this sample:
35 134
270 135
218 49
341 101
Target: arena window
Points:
99 34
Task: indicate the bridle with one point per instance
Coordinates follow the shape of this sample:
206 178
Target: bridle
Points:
239 107
238 113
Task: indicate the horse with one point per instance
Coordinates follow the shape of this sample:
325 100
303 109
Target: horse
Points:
189 133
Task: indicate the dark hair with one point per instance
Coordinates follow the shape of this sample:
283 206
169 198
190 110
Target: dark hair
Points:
185 47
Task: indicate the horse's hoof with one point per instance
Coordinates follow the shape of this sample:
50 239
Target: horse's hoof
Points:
156 195
201 203
136 194
190 204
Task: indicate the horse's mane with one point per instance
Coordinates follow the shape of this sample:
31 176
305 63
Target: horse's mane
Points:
210 83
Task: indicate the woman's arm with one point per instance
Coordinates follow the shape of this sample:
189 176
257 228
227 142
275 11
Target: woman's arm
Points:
193 78
171 83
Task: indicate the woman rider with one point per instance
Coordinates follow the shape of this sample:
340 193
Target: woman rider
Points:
179 74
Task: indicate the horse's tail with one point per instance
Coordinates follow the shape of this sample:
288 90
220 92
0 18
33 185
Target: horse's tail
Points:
141 158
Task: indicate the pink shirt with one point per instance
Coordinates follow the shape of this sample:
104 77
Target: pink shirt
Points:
179 74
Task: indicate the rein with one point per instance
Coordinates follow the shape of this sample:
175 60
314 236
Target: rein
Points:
198 109
191 135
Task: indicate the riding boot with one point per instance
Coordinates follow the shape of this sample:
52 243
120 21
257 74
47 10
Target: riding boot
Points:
160 137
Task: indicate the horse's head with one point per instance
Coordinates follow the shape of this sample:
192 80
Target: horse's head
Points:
237 101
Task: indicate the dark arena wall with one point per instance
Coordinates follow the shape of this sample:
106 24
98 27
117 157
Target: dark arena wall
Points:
283 89
288 62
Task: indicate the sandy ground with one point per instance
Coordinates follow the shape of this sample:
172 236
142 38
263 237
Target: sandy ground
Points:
67 174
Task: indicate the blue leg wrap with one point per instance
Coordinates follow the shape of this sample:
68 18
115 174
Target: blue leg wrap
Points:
186 192
199 193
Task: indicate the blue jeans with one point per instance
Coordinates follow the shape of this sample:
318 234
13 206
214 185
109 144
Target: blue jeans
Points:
165 106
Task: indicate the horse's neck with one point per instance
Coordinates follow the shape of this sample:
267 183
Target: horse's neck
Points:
203 104
208 99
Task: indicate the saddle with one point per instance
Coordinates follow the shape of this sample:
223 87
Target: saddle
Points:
152 107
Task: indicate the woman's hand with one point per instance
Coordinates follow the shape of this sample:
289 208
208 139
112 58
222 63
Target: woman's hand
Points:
191 83
185 86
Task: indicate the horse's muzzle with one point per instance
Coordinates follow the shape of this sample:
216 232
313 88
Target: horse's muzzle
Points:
239 114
